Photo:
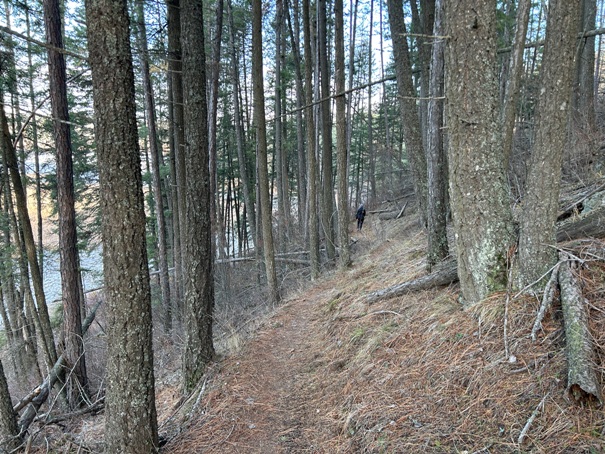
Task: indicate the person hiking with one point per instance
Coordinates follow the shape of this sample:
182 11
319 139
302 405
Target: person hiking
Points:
360 216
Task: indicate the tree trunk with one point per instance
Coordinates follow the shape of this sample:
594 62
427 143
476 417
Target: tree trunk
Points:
176 77
436 161
9 432
199 273
311 161
341 137
130 415
513 83
327 186
540 205
582 382
77 382
155 152
244 174
412 132
478 188
30 246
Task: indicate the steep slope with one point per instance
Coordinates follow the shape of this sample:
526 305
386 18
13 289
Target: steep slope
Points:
328 373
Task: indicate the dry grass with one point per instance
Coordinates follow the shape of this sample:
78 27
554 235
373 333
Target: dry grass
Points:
330 374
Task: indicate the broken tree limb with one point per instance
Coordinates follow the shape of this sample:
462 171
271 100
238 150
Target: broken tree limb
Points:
402 210
446 275
589 223
547 298
34 400
582 383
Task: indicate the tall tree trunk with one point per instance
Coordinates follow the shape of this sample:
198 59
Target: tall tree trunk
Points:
176 78
405 87
294 31
341 136
199 273
327 199
280 149
130 412
311 149
9 432
478 190
30 246
261 143
370 147
77 382
154 154
436 161
513 83
34 138
244 174
540 205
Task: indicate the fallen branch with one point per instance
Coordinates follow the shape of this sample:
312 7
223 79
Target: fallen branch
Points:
547 298
582 383
445 276
38 396
402 210
530 421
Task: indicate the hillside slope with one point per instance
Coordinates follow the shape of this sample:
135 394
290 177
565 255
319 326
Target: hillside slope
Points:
328 373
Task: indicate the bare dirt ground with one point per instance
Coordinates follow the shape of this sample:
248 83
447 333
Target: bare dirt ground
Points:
329 373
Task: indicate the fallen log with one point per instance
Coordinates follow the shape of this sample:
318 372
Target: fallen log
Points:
589 223
34 400
447 274
582 383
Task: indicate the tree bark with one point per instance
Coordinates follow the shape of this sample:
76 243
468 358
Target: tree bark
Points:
478 187
341 137
130 415
9 432
311 161
513 83
176 79
436 161
155 152
261 143
327 186
412 132
77 383
541 202
199 273
582 382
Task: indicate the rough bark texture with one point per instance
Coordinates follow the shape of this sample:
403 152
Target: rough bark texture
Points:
311 161
513 83
478 189
176 78
77 381
154 157
9 438
436 162
582 382
341 138
541 202
327 185
199 272
412 133
131 422
261 144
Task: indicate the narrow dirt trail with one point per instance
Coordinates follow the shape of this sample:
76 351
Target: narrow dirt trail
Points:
262 399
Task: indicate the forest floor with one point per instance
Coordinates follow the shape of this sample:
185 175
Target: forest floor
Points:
328 373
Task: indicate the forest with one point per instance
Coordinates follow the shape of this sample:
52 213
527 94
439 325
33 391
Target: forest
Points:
217 153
